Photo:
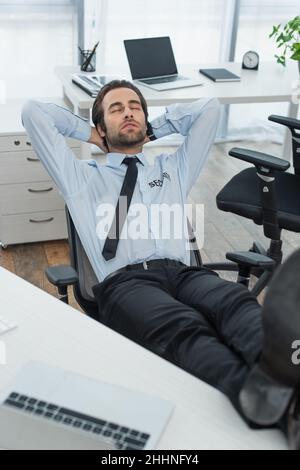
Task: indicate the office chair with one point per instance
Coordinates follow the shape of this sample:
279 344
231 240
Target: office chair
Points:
81 276
267 195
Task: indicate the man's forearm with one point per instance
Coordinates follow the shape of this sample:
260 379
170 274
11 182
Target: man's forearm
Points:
35 114
179 118
48 125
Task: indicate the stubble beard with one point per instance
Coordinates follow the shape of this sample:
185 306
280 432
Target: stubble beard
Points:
128 139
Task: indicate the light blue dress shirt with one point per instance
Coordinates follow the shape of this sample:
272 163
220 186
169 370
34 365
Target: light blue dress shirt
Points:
86 185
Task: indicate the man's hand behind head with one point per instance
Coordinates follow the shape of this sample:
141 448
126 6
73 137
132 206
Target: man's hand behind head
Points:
97 140
147 139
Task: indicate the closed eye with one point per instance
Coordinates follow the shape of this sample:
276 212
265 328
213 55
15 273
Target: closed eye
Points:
118 108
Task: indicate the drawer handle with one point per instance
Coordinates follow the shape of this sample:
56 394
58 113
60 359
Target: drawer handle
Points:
39 190
33 159
42 220
28 143
17 142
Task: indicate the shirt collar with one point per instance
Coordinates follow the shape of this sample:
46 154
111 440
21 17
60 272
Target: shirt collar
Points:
115 159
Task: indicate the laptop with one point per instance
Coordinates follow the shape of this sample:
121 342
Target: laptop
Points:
152 63
50 408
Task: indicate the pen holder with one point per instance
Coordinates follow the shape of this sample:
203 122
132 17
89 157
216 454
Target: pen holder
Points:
87 61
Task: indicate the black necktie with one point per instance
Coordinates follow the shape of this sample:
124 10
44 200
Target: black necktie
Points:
112 240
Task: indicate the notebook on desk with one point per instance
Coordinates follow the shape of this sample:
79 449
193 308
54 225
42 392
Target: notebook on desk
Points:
220 75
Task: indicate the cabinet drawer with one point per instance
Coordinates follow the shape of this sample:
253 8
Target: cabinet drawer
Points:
38 226
22 167
30 197
21 142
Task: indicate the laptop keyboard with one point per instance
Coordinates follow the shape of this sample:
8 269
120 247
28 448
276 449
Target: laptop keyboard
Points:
122 437
152 81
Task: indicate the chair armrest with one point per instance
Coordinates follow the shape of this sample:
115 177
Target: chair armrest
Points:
61 275
259 159
286 121
251 259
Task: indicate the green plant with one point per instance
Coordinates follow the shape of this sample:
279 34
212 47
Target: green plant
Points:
288 37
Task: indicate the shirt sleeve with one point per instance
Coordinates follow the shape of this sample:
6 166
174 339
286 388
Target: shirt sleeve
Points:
198 122
48 125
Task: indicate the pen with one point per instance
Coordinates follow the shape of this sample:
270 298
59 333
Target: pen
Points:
88 60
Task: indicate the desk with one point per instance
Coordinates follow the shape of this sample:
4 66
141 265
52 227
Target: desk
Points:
271 83
54 333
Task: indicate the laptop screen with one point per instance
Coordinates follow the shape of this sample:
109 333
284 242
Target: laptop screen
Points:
150 57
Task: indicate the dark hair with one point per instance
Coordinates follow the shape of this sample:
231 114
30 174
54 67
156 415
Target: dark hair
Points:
97 111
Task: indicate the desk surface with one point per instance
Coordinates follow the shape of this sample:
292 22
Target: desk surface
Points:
54 333
271 83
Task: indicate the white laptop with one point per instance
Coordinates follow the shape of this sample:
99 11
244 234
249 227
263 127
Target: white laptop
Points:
50 408
152 63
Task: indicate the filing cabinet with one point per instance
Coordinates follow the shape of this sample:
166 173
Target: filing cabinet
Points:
31 208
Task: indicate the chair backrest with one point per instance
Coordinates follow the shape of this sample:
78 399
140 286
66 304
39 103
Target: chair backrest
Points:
87 279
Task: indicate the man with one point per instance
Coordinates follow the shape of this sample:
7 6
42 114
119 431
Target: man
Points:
147 291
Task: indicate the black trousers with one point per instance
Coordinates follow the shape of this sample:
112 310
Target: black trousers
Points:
209 327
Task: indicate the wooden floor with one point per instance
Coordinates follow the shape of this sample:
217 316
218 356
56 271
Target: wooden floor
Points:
223 231
30 260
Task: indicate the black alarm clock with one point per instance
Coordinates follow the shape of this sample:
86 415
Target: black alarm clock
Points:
250 60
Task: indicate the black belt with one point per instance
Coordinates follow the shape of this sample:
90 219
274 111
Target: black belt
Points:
145 265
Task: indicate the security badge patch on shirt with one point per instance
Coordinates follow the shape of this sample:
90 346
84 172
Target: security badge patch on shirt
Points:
160 182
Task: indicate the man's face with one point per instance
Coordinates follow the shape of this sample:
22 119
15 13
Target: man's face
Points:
124 118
